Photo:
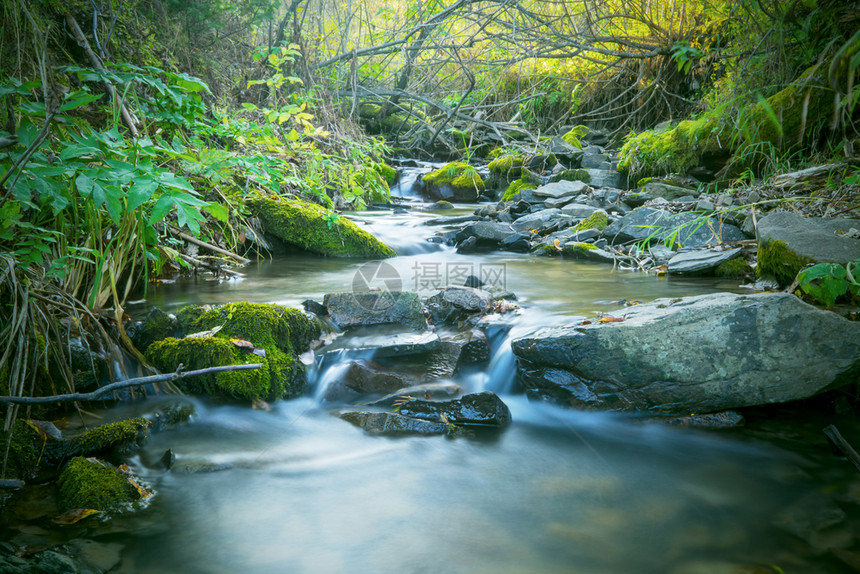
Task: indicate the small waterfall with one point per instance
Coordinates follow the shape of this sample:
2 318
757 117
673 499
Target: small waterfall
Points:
409 184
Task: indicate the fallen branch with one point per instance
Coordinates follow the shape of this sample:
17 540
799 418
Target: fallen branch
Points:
843 445
196 263
195 241
96 394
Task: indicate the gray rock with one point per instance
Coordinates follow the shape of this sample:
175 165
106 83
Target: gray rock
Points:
535 220
596 161
812 239
604 178
456 220
637 198
579 210
156 326
386 423
664 190
699 354
661 253
365 377
659 225
485 232
485 409
474 346
468 299
701 261
468 245
555 203
528 195
607 195
359 308
704 205
560 147
518 242
561 189
585 235
383 343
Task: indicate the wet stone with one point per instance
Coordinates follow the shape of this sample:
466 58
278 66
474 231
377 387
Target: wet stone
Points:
359 308
484 408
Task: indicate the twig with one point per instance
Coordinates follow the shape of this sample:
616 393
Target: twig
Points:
843 445
195 241
209 267
95 395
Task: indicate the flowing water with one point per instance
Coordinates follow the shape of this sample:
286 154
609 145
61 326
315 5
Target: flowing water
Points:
298 490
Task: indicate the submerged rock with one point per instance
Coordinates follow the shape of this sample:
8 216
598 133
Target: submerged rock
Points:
693 355
485 409
385 423
316 229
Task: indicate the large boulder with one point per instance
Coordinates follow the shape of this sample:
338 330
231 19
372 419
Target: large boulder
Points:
656 225
787 242
696 354
561 189
362 308
701 261
316 229
456 181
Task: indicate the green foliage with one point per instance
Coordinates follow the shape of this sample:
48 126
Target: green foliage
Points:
574 136
827 282
24 449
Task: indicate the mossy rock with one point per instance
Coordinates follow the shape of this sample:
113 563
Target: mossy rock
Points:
456 181
387 172
574 136
121 436
316 229
572 175
546 250
92 484
508 167
528 180
23 451
780 262
577 250
281 332
733 268
596 220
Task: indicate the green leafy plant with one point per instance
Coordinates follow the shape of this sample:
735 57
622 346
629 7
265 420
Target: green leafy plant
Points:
827 282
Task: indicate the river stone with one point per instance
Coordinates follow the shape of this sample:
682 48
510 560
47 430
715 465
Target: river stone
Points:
810 240
364 377
456 220
474 346
156 326
456 303
701 261
664 190
485 232
535 220
383 343
579 210
518 242
645 222
392 423
699 354
556 203
359 308
561 189
604 178
588 251
484 408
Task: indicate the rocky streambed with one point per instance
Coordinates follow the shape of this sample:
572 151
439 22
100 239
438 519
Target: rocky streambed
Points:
466 336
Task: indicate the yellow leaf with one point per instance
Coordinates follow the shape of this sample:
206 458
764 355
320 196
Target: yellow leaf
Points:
610 320
74 515
141 490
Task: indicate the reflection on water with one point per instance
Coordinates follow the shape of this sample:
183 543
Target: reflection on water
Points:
298 490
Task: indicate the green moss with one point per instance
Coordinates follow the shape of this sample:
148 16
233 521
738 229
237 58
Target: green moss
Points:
546 250
528 180
777 260
596 220
87 484
23 451
387 172
679 148
460 177
200 353
280 331
496 153
643 181
508 167
187 318
737 267
572 175
442 204
366 185
316 229
573 137
110 436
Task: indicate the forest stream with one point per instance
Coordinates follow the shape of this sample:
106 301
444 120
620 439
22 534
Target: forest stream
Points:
295 489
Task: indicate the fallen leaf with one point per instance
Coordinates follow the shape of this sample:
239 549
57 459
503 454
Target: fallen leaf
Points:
204 334
143 491
74 515
610 320
261 405
586 322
